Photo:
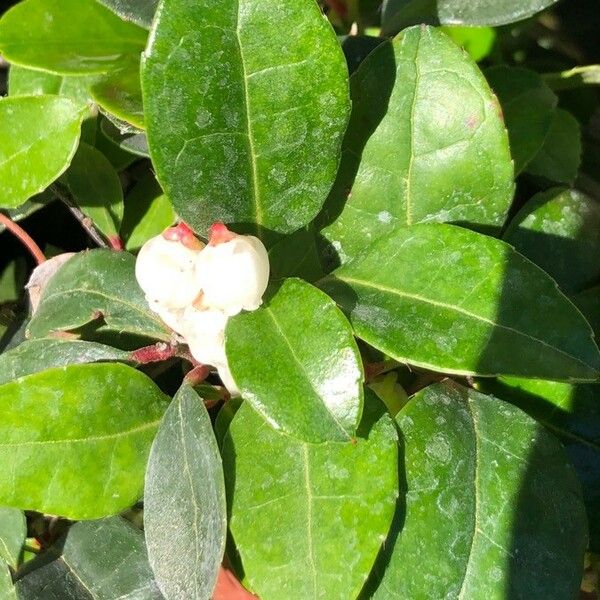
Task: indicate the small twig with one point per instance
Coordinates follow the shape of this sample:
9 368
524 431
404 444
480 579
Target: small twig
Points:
24 238
152 354
84 221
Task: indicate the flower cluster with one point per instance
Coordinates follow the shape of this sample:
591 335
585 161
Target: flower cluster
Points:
195 288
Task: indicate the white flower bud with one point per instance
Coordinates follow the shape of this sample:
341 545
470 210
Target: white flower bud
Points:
233 274
172 317
227 379
204 332
165 271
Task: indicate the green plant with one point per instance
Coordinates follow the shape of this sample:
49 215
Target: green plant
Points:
409 409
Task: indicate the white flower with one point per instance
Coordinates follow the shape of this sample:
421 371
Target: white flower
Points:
233 272
165 271
204 332
227 379
171 317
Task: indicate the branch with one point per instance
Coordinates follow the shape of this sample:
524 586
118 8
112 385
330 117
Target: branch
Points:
24 238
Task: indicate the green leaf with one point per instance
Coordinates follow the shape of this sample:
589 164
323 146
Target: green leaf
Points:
559 158
7 590
478 42
76 37
296 255
96 189
528 105
490 500
148 212
185 515
425 143
140 12
33 356
100 560
295 360
559 230
571 412
452 300
397 14
134 142
588 302
98 284
38 137
81 453
120 93
13 530
29 82
309 519
250 135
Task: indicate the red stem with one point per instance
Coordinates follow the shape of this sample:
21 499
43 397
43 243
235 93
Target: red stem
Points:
24 238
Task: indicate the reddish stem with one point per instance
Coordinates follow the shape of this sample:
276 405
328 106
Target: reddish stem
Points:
24 238
219 234
152 354
116 243
197 375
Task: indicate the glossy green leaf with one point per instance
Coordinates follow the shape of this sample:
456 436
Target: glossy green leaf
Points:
295 360
148 212
140 12
98 284
425 143
33 356
38 137
559 158
452 300
185 515
120 93
309 519
528 105
96 189
493 507
251 134
100 560
572 413
75 37
397 14
13 530
559 230
81 452
29 82
7 590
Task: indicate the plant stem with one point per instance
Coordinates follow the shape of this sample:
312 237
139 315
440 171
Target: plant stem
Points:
24 238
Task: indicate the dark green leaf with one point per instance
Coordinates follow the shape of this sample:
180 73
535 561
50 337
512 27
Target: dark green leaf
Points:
528 105
452 300
185 515
251 134
425 143
33 356
137 11
309 519
295 360
397 14
100 560
493 507
560 156
559 230
7 590
588 302
134 142
38 137
296 256
75 37
571 412
148 212
96 189
98 284
81 452
120 94
13 530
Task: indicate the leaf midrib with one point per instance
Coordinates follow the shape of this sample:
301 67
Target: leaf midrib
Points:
397 292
